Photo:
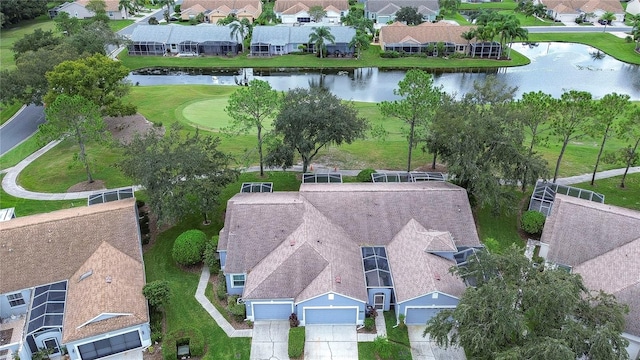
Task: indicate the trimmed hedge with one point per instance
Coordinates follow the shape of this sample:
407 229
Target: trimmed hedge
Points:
210 255
296 342
189 247
532 222
365 175
196 343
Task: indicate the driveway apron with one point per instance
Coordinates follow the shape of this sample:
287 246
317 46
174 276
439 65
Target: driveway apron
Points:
331 342
422 348
270 340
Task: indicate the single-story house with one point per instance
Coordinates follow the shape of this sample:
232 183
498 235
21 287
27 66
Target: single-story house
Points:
282 39
633 7
202 39
416 39
329 250
220 9
72 279
384 11
569 10
78 10
601 243
192 12
297 11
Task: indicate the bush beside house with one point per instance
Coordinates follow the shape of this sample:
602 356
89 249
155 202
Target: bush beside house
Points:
189 247
532 222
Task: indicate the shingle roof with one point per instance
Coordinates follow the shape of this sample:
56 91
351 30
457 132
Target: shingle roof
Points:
62 245
282 5
423 33
175 34
314 235
601 243
282 35
214 4
111 5
152 33
576 6
377 5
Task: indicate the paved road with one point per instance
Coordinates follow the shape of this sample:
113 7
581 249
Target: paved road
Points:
18 129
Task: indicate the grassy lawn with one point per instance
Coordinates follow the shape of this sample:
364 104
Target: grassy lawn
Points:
610 44
7 111
15 32
26 207
398 339
503 228
117 25
628 197
18 153
502 5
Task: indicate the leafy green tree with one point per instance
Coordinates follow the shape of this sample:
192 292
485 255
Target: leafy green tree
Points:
607 110
420 100
75 117
67 24
571 121
635 30
317 13
38 39
360 41
267 16
449 6
251 107
14 11
409 15
519 311
182 175
227 20
96 78
310 120
629 129
319 36
97 6
93 37
158 293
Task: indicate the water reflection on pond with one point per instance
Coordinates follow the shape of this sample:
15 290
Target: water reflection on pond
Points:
554 68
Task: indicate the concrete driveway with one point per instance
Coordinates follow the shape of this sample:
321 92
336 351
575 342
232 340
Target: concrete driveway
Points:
270 340
424 349
330 342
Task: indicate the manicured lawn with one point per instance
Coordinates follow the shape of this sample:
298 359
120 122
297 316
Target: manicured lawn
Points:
18 153
7 111
24 207
398 339
117 25
501 5
628 197
13 33
610 44
503 227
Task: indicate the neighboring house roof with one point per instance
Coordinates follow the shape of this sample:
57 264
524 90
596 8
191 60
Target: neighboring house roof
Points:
633 7
602 244
317 234
586 6
112 5
283 35
175 34
194 10
282 5
62 245
427 32
152 33
377 5
215 4
297 8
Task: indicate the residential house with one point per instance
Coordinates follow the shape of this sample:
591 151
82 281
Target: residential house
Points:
192 12
78 10
202 39
420 38
280 40
384 11
220 9
329 250
297 11
602 244
72 279
633 7
592 10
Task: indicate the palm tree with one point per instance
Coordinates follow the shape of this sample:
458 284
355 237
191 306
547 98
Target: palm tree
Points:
469 35
635 31
360 41
608 18
318 37
240 30
126 5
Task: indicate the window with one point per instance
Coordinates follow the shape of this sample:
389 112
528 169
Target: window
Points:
15 299
237 280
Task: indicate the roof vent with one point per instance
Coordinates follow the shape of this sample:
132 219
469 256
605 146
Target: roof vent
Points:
85 275
338 279
437 276
108 279
292 242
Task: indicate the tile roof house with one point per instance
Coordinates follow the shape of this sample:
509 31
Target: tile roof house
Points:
281 40
384 11
569 10
414 39
73 278
297 11
78 10
633 7
602 244
329 250
220 9
202 39
192 12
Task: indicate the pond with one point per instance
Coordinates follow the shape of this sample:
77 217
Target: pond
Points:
554 68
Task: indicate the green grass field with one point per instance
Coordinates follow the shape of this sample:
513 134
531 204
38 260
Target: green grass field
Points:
7 111
14 33
610 44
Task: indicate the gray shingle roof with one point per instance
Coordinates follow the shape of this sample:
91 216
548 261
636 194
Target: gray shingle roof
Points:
377 5
151 33
175 34
282 35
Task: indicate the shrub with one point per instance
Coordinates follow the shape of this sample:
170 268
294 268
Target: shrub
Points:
401 323
155 323
189 247
237 310
389 54
492 245
382 347
221 291
365 175
296 342
369 323
192 336
210 256
157 293
293 320
532 222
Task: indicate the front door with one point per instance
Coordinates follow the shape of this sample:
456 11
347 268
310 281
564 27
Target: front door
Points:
378 301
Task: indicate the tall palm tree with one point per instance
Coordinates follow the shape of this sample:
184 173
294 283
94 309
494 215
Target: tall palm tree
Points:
608 18
469 35
318 37
240 30
126 5
360 41
635 31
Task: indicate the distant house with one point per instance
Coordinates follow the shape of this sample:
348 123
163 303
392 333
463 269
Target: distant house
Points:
192 12
602 244
569 10
420 38
202 39
281 40
297 11
77 9
384 11
72 279
633 7
220 9
329 250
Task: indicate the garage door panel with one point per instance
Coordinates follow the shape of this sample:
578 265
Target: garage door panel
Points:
420 316
271 311
330 316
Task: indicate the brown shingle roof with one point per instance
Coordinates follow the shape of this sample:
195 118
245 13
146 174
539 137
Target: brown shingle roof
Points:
423 33
112 5
602 244
282 5
215 4
576 6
